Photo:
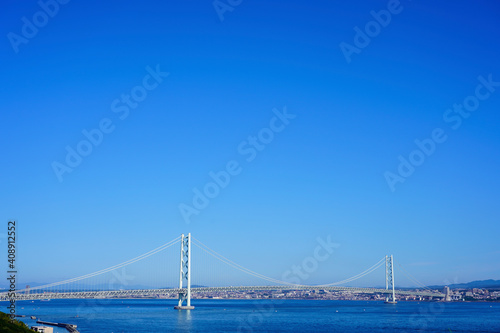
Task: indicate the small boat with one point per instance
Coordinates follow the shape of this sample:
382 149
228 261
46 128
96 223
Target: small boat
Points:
33 317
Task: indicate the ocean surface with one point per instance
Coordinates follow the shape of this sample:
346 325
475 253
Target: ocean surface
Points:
133 315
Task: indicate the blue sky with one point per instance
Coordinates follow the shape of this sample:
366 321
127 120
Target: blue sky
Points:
323 174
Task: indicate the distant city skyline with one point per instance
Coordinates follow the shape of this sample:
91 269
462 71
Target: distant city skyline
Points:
259 127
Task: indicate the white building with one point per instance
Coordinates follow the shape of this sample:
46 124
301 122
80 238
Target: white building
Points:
42 329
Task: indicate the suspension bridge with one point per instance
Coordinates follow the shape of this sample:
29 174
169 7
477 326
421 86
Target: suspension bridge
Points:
74 288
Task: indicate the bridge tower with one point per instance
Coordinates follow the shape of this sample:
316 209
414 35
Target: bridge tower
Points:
389 279
185 274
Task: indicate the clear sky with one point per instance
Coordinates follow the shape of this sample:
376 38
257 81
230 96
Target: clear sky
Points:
353 95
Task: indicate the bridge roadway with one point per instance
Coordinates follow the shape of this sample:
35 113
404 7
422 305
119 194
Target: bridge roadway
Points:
169 291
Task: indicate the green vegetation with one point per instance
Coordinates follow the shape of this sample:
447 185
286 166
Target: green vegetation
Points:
12 326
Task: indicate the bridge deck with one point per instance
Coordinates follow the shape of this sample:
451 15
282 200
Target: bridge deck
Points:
154 292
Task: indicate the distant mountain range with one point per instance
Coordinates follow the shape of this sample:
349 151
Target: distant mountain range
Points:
474 284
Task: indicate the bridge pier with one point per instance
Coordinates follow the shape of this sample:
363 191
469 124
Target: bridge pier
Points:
185 274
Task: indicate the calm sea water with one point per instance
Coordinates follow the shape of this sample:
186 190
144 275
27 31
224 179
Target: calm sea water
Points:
265 316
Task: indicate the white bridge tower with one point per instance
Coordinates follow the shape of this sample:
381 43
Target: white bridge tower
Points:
389 279
185 274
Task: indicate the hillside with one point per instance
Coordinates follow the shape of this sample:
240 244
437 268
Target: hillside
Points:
472 284
7 326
